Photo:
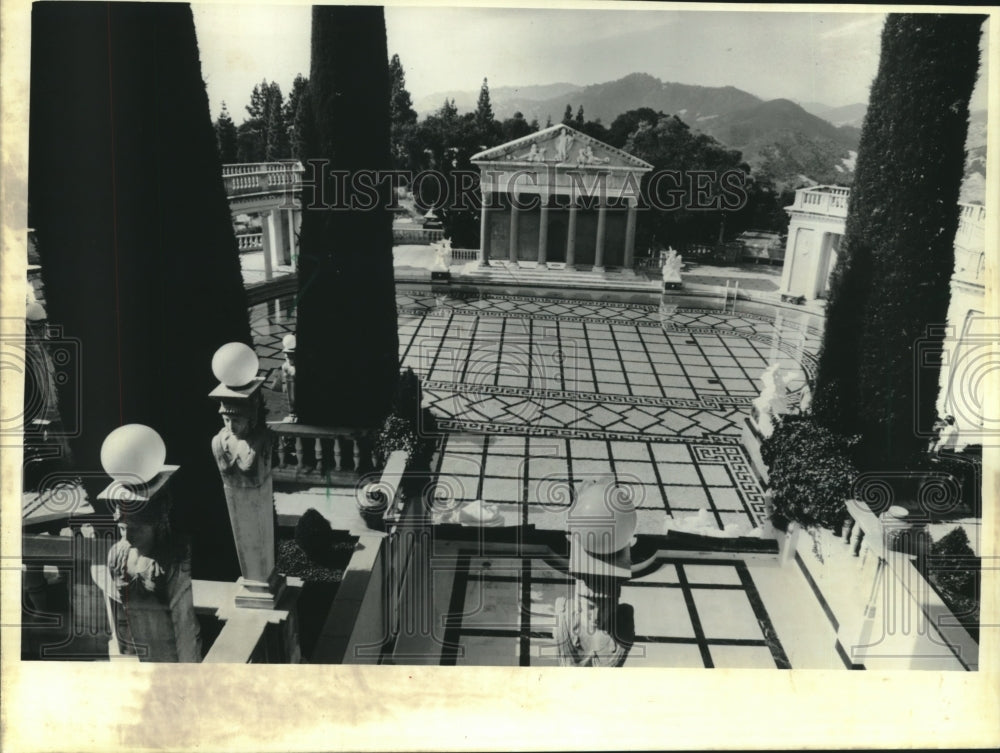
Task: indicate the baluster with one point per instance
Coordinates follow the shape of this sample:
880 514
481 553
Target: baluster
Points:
299 460
336 454
282 452
318 442
357 454
847 530
858 539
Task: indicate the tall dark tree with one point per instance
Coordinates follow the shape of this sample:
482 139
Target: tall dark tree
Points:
347 340
579 120
275 128
299 88
302 133
626 124
568 115
669 144
486 124
404 119
892 278
137 248
225 136
515 127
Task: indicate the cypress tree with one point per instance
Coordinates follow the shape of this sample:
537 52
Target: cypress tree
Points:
893 273
568 115
138 254
347 340
225 136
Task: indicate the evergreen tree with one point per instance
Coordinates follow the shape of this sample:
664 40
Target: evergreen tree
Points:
568 115
489 131
579 117
347 363
516 127
137 248
896 259
303 130
548 121
225 136
404 118
533 125
299 88
275 129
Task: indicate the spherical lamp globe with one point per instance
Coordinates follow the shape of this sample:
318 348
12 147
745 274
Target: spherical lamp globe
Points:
133 454
288 343
603 516
235 365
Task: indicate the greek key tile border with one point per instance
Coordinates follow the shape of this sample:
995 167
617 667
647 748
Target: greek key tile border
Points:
735 458
709 402
486 427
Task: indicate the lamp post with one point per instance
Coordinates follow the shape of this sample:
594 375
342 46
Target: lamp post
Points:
592 629
150 565
242 451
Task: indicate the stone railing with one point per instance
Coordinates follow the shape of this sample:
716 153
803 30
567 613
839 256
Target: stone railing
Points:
464 254
828 200
364 613
320 455
886 614
970 265
261 178
250 242
971 233
416 235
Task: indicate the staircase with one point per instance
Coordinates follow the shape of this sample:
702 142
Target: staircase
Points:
529 274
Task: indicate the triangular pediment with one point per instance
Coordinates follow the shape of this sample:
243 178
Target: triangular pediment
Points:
564 146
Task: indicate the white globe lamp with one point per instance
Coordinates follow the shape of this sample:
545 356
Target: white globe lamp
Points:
235 365
603 516
133 454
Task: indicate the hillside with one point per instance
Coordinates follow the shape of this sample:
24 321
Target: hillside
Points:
782 141
506 100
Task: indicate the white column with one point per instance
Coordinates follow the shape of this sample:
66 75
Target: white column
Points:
543 231
515 214
602 218
628 261
266 243
571 235
484 234
277 237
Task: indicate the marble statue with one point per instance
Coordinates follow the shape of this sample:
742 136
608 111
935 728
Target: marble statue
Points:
672 269
592 629
805 399
535 154
772 401
586 156
563 145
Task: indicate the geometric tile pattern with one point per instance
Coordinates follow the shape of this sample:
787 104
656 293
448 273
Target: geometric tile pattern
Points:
688 612
559 390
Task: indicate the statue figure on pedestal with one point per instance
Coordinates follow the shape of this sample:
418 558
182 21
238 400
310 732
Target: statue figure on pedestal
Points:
586 156
535 154
672 264
563 145
592 629
772 401
242 447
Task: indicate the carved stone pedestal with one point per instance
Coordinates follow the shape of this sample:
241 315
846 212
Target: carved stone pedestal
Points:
242 451
592 629
149 571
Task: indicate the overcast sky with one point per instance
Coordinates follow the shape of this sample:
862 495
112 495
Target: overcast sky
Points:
805 56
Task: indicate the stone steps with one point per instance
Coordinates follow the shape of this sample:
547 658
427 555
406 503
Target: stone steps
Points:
498 274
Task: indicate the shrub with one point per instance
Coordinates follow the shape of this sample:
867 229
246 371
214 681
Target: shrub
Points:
810 472
956 573
314 534
396 434
409 427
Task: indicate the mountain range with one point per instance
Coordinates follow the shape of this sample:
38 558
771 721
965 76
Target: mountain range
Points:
793 143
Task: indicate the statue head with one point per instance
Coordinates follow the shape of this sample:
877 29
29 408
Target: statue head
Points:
237 419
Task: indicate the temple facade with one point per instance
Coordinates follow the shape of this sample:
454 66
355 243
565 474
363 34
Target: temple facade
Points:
559 199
